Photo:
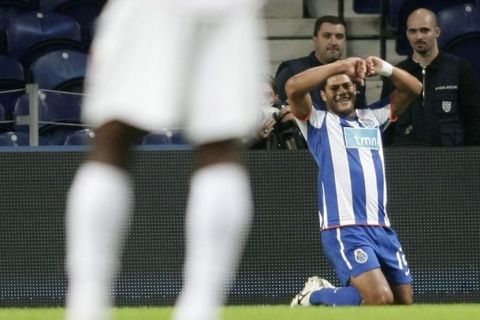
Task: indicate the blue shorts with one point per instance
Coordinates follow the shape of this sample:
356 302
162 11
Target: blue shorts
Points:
354 250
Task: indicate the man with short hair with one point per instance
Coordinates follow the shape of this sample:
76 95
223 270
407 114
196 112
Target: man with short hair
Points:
448 111
346 143
329 38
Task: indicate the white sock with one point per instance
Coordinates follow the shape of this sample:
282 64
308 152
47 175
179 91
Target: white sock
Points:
99 206
218 218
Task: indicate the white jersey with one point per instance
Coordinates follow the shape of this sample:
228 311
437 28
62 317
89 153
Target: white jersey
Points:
349 154
212 5
191 65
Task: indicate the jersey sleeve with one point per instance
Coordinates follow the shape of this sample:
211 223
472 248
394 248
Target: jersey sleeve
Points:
381 110
315 120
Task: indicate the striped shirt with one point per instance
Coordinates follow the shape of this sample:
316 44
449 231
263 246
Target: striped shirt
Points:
349 154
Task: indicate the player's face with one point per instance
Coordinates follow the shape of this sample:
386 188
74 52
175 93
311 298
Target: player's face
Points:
422 33
330 42
340 94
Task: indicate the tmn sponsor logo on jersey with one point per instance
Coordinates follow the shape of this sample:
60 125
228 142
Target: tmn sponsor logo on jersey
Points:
361 138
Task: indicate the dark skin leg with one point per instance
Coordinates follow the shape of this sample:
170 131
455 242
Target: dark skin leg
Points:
217 152
114 139
113 142
402 294
375 289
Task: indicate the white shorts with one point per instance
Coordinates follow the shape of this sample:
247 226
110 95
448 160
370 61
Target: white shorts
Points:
156 65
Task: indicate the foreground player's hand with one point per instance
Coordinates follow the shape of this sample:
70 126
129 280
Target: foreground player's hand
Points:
374 65
356 69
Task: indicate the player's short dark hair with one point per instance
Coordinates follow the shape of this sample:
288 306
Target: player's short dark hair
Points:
327 19
323 84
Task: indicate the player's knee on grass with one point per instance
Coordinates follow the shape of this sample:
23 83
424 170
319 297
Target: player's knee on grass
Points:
378 296
403 294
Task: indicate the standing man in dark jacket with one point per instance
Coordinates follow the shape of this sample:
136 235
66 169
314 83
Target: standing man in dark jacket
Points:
329 38
448 111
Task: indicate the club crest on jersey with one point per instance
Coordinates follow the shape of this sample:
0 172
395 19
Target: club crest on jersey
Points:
447 106
360 256
361 138
369 123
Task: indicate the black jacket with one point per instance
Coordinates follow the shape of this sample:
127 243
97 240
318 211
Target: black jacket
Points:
289 68
448 114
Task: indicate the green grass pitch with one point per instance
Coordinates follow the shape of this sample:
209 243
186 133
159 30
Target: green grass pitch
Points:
420 311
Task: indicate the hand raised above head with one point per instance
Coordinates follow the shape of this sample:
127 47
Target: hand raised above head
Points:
355 68
374 65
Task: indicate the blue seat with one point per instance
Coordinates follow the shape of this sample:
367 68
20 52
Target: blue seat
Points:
80 138
12 74
399 10
166 137
85 12
14 139
177 138
60 70
461 39
156 138
33 33
59 107
58 115
10 9
367 6
22 108
11 78
50 5
452 30
2 119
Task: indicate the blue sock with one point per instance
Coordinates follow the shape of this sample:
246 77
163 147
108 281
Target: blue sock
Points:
342 296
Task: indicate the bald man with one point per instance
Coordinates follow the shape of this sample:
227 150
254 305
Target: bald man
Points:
447 113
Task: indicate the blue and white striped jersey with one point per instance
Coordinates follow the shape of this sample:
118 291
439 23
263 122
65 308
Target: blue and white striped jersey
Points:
349 154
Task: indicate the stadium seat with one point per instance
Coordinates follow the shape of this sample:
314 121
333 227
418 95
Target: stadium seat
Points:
60 107
12 74
58 116
461 39
11 139
61 116
166 137
2 119
22 108
177 138
399 10
50 5
33 33
80 138
14 139
452 31
10 9
62 70
11 78
367 6
156 138
85 12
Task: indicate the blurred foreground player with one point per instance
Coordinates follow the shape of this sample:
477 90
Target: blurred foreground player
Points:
158 64
346 143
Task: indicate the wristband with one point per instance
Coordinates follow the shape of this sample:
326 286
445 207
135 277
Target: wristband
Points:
386 70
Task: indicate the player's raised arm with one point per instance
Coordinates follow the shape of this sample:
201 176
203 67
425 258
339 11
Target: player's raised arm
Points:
298 86
407 87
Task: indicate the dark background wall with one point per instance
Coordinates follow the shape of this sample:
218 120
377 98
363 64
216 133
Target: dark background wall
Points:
433 204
